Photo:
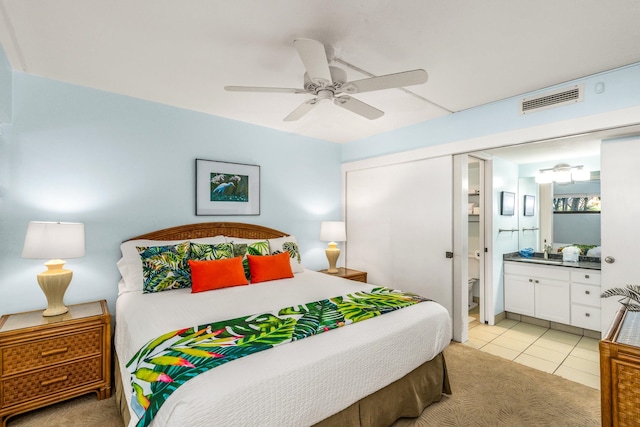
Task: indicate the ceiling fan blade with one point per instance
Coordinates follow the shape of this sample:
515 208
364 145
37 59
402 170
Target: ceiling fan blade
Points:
263 89
314 58
358 107
303 109
388 81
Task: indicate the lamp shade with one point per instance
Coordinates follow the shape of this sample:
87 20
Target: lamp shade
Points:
333 231
48 240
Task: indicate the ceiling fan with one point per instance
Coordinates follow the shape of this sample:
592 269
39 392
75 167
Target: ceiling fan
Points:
327 82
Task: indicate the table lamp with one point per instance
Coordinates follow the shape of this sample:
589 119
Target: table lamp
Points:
332 232
54 240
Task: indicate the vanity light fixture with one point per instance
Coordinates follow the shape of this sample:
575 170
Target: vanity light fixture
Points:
562 174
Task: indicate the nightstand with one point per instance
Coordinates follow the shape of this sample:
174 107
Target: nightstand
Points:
45 360
347 273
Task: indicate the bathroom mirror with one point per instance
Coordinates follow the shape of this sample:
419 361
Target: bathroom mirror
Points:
580 226
576 216
528 225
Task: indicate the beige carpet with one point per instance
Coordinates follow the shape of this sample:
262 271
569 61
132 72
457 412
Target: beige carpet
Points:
487 391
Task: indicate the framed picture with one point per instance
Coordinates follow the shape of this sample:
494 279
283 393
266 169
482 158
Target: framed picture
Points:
507 203
529 205
224 188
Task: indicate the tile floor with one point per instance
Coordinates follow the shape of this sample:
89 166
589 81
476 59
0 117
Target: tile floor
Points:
570 356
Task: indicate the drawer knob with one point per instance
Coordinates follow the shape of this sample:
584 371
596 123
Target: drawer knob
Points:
587 314
587 292
586 276
537 281
54 351
530 280
53 381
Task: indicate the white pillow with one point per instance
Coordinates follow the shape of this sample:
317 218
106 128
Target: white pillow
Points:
130 265
284 244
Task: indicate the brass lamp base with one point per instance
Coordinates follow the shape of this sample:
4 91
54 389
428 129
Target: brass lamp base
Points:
54 283
332 256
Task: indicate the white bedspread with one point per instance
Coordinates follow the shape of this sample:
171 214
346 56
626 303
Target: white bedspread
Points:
295 384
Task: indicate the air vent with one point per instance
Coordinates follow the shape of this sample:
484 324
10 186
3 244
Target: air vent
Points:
557 98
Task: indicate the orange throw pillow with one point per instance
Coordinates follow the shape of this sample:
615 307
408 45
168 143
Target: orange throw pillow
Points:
269 267
216 274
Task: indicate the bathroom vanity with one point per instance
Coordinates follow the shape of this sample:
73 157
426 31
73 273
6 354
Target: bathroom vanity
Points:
552 290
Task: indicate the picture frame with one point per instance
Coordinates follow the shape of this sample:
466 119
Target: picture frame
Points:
224 188
529 205
507 203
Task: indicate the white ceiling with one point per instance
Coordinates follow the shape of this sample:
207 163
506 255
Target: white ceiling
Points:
183 53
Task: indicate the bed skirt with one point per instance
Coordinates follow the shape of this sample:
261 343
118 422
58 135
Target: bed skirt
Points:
406 397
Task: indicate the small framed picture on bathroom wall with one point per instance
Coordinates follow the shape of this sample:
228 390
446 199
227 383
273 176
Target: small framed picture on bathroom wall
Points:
507 203
529 205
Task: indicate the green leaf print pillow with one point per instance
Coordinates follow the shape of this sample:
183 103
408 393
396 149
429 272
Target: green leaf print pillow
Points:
242 247
165 267
288 244
207 252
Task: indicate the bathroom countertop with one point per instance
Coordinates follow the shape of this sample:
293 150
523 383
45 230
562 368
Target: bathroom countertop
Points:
538 258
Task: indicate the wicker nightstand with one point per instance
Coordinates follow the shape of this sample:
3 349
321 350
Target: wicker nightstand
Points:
347 273
620 371
44 360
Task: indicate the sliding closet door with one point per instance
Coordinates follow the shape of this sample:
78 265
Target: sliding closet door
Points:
399 226
619 231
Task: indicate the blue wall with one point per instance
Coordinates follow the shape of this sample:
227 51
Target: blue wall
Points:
124 166
622 90
5 89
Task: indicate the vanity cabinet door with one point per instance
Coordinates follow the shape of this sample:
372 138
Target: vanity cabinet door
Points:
552 300
519 294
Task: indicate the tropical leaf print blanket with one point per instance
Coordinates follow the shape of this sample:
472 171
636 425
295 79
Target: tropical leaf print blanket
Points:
167 362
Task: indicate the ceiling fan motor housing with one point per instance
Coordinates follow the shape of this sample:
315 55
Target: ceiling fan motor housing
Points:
338 75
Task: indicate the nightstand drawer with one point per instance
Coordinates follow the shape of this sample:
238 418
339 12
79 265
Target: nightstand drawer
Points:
30 386
45 352
359 277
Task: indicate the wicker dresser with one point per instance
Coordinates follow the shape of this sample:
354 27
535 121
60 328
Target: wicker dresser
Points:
620 371
44 360
347 273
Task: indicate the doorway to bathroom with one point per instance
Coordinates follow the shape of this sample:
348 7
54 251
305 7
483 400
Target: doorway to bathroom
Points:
477 215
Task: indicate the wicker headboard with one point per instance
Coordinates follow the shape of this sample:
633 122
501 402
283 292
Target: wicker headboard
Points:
210 229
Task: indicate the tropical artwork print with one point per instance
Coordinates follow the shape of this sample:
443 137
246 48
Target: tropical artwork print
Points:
229 187
167 362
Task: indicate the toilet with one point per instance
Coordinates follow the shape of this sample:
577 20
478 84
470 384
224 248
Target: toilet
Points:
474 275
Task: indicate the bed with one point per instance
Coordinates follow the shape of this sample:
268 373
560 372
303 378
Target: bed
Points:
367 374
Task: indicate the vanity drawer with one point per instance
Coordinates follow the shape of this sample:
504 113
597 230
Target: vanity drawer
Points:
585 317
590 277
585 294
